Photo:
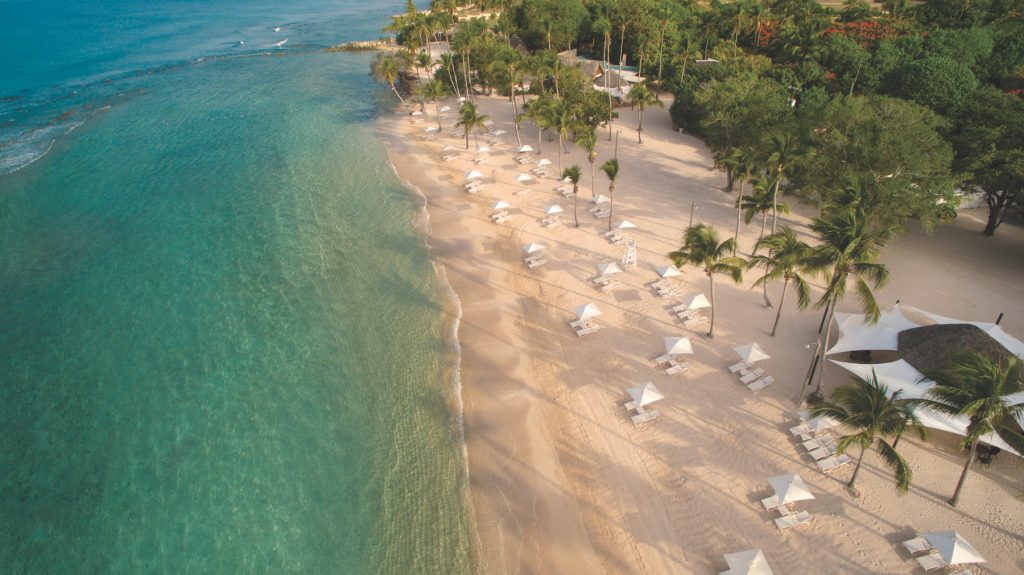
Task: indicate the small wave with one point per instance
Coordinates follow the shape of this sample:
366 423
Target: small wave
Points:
23 148
279 44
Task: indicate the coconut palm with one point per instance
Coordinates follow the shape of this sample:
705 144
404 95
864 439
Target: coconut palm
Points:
866 407
849 247
534 111
979 388
586 139
387 68
611 169
470 120
759 202
573 173
701 248
740 162
559 118
641 97
787 259
433 90
783 153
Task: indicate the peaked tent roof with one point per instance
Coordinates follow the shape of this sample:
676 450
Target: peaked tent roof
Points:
857 333
790 488
749 562
645 393
953 547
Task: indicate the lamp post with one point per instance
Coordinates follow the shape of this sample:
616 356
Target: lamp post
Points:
810 371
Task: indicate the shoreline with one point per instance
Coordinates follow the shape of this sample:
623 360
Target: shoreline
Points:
559 479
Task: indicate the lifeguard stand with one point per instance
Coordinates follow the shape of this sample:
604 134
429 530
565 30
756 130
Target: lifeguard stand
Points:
629 258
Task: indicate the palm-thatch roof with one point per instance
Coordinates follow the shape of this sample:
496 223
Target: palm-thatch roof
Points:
929 348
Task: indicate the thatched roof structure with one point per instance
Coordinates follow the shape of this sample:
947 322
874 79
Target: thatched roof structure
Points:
930 347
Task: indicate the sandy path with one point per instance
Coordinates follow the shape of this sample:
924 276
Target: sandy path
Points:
562 482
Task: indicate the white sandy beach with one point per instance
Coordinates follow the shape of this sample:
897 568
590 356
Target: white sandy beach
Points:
562 482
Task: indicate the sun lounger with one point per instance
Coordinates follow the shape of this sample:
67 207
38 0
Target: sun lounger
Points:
770 503
645 416
833 462
588 329
631 405
917 545
553 224
661 360
822 453
521 192
761 383
448 158
502 219
677 368
799 430
610 286
812 444
576 324
751 376
536 263
931 562
791 521
601 214
736 366
695 323
601 280
499 214
565 193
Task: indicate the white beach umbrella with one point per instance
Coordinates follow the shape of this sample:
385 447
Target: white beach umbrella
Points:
587 311
483 150
608 269
524 178
599 199
430 129
445 109
500 132
525 148
553 209
500 205
698 302
751 352
669 271
750 562
953 547
473 175
625 225
544 162
448 148
789 488
677 345
533 247
645 393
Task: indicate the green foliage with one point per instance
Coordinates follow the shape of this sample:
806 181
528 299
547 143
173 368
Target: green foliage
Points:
738 110
701 248
940 83
549 23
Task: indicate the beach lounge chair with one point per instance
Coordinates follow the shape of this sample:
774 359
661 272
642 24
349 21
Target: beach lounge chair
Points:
502 219
931 562
536 263
917 545
833 462
761 383
614 284
771 503
695 323
566 193
677 368
448 157
589 329
601 213
812 444
734 367
576 324
790 521
822 453
670 292
751 375
554 223
601 280
663 359
800 430
645 416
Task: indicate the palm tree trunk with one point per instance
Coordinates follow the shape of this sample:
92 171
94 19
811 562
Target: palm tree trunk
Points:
575 203
611 205
767 302
559 152
639 124
739 212
764 220
607 61
782 299
856 470
963 474
711 328
824 347
775 199
515 113
437 112
593 184
400 98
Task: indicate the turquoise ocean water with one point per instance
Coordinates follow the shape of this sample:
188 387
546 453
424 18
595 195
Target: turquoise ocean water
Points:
221 342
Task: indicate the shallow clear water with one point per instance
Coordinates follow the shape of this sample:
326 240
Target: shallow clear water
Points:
221 345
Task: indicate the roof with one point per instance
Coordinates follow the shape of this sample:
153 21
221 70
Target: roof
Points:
930 347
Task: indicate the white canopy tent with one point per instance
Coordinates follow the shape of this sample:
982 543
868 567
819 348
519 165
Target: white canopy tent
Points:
677 345
645 393
750 562
856 333
587 311
625 225
900 375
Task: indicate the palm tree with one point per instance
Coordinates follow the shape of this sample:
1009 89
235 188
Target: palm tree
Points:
534 110
867 407
469 120
641 97
559 118
387 68
701 248
573 173
850 248
433 90
759 202
783 155
611 169
787 258
741 163
586 139
978 388
603 27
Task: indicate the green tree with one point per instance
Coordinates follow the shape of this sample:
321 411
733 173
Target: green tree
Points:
701 248
989 148
759 202
788 258
387 68
558 118
743 164
470 120
783 153
586 139
982 390
433 90
866 407
611 169
940 83
641 97
573 173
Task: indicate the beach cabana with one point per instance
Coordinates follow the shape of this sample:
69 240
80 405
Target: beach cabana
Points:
523 178
525 148
677 345
553 209
953 548
645 394
750 562
698 301
533 248
751 353
473 175
586 311
669 271
608 269
790 488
